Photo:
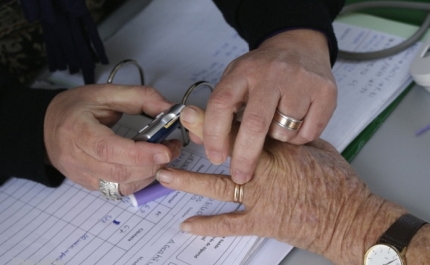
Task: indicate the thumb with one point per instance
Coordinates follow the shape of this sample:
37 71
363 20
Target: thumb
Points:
127 99
192 119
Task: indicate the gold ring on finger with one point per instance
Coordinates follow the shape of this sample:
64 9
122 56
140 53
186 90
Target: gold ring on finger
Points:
238 193
287 122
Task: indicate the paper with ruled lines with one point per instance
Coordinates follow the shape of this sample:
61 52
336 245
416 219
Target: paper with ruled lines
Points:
70 225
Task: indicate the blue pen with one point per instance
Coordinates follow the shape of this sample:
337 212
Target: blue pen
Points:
420 131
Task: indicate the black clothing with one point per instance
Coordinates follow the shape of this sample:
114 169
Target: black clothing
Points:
22 152
256 20
70 34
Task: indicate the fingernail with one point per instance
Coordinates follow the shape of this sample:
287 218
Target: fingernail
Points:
189 115
239 177
216 158
161 158
163 175
185 227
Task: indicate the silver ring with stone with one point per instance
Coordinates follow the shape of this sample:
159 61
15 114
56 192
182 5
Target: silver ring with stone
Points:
110 190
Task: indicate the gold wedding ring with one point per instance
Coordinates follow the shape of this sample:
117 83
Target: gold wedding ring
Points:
238 194
286 122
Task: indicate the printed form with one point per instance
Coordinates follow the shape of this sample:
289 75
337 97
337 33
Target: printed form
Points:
70 225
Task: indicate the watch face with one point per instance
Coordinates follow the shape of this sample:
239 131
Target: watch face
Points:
382 255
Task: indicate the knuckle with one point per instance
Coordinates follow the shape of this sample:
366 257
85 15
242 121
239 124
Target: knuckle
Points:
298 72
118 173
220 99
149 92
127 189
185 182
329 89
136 157
102 150
228 224
243 162
280 66
246 65
150 171
213 135
222 187
255 123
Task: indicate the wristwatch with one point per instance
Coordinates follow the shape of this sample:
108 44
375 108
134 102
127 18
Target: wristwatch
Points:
391 246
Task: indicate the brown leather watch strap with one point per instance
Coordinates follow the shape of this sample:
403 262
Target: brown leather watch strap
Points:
401 232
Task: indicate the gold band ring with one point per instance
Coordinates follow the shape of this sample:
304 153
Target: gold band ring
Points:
287 122
238 194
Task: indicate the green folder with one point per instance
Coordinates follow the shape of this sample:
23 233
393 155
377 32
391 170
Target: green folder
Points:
382 20
413 17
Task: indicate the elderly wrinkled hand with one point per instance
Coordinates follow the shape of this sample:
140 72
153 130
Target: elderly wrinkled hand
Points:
80 144
306 195
288 79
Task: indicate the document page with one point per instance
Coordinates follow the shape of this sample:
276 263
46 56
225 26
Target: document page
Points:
365 88
70 225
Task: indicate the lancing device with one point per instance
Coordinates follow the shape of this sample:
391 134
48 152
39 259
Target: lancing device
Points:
163 125
155 132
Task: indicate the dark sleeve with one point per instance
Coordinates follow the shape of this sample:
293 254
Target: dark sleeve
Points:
22 152
256 20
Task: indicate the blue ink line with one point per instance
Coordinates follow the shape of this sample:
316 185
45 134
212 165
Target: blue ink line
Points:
116 222
420 131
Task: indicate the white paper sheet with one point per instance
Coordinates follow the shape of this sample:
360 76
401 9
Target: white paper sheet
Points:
70 225
365 88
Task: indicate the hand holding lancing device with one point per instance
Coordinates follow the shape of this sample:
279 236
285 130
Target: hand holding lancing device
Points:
80 144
